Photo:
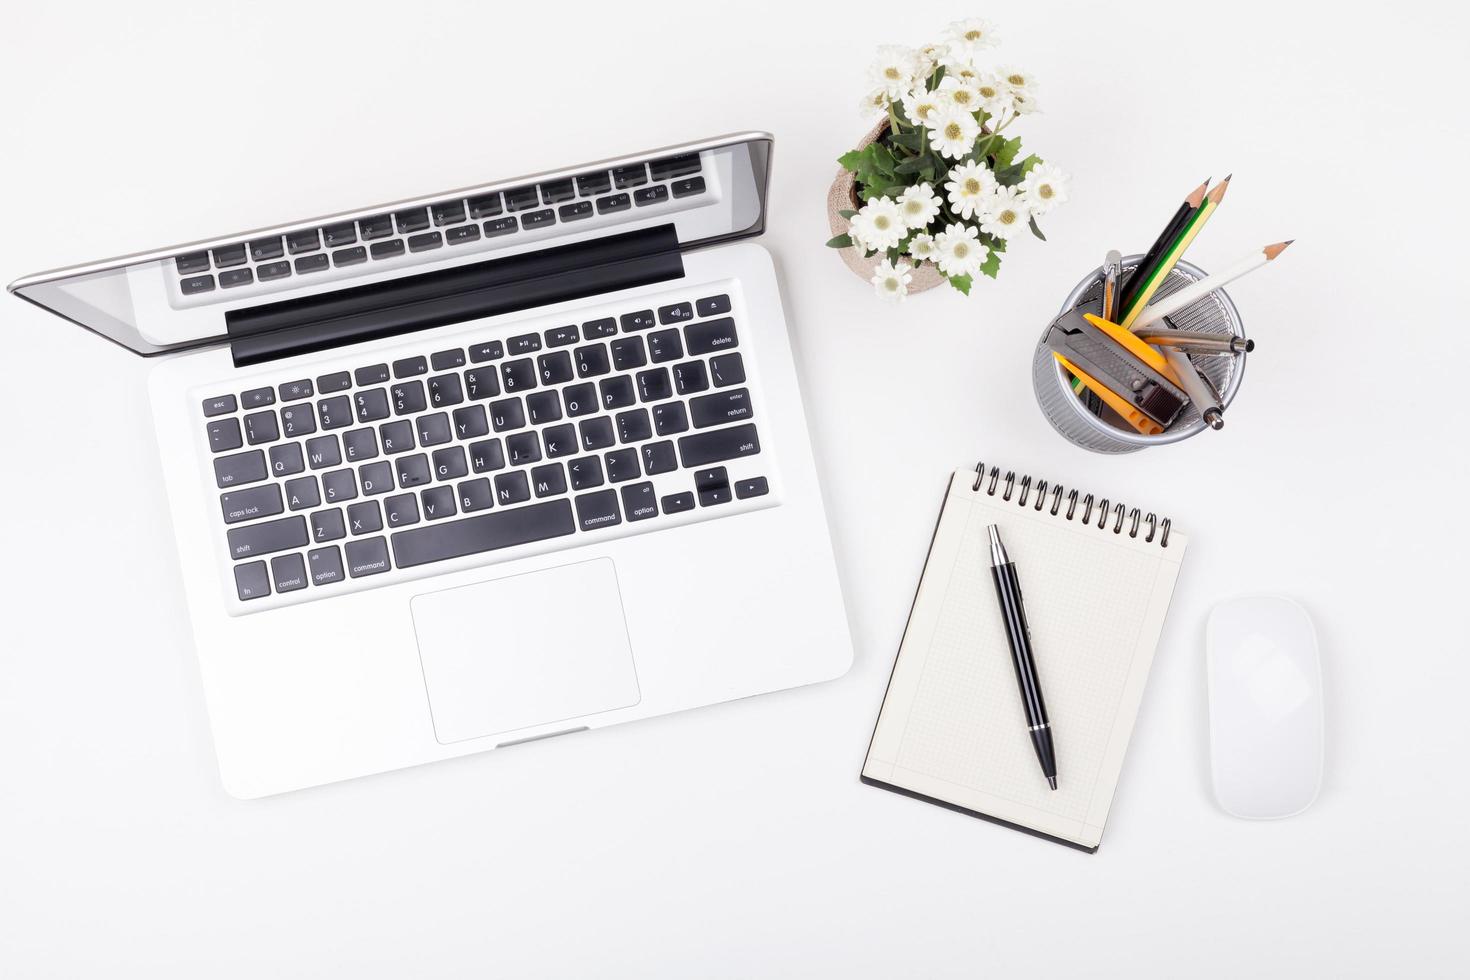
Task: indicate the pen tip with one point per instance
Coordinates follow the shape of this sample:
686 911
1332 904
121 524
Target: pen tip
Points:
1052 781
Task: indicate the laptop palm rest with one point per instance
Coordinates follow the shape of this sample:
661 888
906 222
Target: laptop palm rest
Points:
524 651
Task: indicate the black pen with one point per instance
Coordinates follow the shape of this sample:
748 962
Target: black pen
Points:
1013 611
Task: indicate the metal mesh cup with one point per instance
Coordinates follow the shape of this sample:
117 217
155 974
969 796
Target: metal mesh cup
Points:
1068 414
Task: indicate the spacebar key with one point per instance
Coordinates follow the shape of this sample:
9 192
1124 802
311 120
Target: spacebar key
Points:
487 532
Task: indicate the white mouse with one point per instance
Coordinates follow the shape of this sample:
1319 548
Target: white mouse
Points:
1266 729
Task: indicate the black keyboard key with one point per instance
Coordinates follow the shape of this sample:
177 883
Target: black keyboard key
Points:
378 226
641 320
325 565
677 503
556 191
525 343
252 581
580 399
727 369
713 486
629 176
322 452
481 383
303 493
688 187
445 390
349 256
521 198
371 405
267 538
598 509
470 422
328 525
543 407
258 397
690 377
555 368
448 213
303 241
639 501
475 495
585 473
241 468
654 385
446 360
297 421
484 206
523 448
236 277
665 345
659 457
328 383
677 313
411 220
387 250
591 184
732 405
686 163
196 284
670 419
265 249
483 532
367 557
711 336
622 466
753 487
253 502
219 405
518 375
339 485
634 426
288 573
291 391
500 226
561 336
194 262
376 478
261 427
286 459
507 414
273 270
460 234
628 353
312 263
433 430
437 503
576 211
560 440
425 242
616 391
718 445
614 202
334 413
487 456
364 517
549 480
413 471
397 436
511 488
408 398
592 361
597 433
593 329
373 374
538 219
489 351
713 305
449 463
360 445
650 195
228 256
337 235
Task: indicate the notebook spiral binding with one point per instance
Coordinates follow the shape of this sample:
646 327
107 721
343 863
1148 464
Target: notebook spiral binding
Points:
1133 517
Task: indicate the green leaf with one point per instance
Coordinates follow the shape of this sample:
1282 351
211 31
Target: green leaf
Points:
850 160
909 141
914 164
1036 229
1014 174
962 283
1005 152
937 77
882 158
848 213
991 265
893 190
841 241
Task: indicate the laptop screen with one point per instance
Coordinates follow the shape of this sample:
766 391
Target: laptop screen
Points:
176 298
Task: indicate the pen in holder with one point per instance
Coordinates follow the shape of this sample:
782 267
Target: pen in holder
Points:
1069 414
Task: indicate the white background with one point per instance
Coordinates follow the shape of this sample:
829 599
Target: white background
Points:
736 841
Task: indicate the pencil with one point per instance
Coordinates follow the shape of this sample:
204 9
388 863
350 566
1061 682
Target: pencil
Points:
1134 284
1194 386
1178 300
1170 258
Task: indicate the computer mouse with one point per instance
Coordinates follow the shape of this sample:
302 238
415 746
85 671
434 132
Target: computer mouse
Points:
1266 722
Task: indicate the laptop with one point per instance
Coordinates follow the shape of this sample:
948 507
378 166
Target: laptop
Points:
483 467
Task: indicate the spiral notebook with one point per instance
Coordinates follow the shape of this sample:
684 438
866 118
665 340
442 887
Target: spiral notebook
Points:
1097 576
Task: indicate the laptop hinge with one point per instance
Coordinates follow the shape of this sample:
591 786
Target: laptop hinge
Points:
445 296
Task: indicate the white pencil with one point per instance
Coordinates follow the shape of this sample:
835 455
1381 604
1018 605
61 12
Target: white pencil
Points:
1178 300
1194 386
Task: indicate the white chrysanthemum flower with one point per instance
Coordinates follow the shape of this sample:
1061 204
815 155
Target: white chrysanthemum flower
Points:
879 224
959 250
874 102
1044 188
960 69
921 106
892 281
921 247
1017 79
928 58
1024 103
895 69
994 94
918 205
954 92
969 37
952 132
1004 214
969 187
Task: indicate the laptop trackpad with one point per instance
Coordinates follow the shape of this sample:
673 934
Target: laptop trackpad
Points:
527 650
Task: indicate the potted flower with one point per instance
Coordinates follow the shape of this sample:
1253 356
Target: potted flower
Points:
936 190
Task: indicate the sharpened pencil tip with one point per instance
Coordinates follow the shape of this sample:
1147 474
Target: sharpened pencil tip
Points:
1274 250
1052 780
1218 194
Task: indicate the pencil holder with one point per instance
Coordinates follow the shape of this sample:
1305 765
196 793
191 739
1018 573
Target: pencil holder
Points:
1068 413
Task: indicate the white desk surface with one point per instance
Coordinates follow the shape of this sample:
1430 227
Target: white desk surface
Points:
736 841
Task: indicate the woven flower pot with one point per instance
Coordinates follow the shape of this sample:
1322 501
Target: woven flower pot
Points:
842 196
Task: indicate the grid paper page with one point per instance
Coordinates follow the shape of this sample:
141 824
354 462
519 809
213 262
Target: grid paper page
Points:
952 724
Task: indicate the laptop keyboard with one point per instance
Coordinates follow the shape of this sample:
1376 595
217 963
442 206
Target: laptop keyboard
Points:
560 433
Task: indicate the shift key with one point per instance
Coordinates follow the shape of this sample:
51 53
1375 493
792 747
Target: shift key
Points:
271 536
718 445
